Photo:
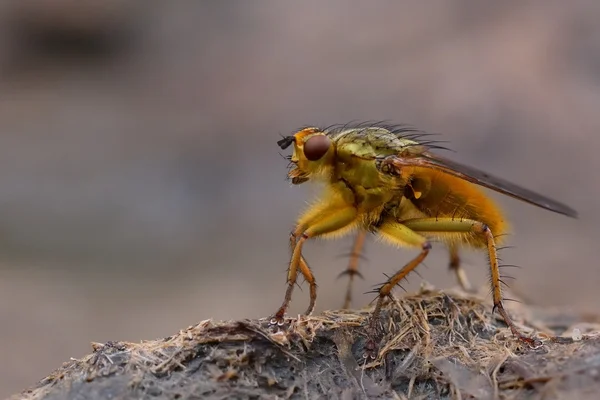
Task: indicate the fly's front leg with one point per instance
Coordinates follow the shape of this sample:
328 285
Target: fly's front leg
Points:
481 230
331 219
291 281
352 269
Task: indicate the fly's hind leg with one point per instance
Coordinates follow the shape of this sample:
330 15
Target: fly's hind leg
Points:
449 225
352 269
459 271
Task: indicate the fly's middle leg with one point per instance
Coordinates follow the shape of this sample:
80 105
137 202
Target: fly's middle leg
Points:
456 267
352 269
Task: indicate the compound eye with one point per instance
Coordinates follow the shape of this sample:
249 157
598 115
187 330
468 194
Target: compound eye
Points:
316 147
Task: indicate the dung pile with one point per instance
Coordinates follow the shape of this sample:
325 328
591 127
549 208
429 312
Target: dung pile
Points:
437 344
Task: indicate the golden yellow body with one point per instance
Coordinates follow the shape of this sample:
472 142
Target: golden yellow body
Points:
384 180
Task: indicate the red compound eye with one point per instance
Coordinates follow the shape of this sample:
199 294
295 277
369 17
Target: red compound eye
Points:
316 147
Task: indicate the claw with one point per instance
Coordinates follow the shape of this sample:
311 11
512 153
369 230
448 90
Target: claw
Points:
531 342
371 349
278 319
351 273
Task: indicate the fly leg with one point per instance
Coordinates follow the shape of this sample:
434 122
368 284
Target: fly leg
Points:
459 271
352 269
292 277
402 235
331 219
481 230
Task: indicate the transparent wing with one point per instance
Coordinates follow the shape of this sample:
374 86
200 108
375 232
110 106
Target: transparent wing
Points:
473 175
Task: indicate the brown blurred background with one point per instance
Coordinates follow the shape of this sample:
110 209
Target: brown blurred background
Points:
142 190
